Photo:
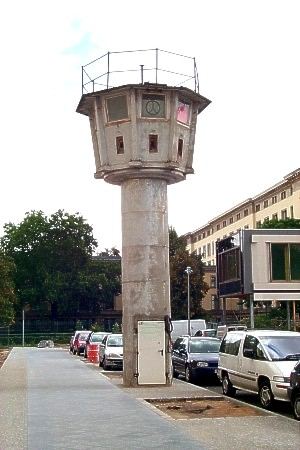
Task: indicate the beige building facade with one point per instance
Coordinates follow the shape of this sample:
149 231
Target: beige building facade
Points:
280 201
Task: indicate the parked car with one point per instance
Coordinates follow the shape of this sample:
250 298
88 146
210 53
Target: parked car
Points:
111 351
91 349
46 343
258 361
80 341
209 332
294 390
195 357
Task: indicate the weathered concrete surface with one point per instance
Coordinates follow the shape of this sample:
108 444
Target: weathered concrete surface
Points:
145 261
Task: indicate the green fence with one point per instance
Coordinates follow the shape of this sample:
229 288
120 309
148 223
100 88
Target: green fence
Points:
32 339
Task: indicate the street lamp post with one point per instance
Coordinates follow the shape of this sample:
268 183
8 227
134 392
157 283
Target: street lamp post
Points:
188 270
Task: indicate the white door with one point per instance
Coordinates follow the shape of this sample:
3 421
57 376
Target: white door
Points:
151 352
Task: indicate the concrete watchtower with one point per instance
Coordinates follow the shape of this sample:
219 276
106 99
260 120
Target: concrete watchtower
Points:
143 137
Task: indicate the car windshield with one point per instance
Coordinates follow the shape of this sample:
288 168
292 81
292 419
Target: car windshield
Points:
98 338
83 337
281 348
204 346
115 341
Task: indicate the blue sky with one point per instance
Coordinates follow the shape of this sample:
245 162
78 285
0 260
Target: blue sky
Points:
248 138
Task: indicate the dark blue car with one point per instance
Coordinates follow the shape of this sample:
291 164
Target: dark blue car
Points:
195 357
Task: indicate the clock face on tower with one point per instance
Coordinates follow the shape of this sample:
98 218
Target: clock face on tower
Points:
153 106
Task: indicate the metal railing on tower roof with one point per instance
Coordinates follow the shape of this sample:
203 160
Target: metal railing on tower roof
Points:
153 66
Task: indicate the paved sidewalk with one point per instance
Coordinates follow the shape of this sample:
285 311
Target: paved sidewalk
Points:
50 399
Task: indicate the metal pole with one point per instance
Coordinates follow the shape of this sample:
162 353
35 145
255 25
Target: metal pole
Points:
288 314
23 327
142 73
188 271
294 315
107 79
251 312
156 65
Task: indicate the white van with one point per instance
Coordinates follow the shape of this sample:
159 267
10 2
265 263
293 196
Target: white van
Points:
258 361
180 327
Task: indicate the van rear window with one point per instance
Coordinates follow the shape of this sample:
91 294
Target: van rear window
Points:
231 344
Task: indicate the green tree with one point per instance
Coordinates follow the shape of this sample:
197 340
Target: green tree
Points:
7 293
180 259
50 254
283 223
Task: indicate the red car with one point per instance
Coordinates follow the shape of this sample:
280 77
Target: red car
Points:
80 341
92 346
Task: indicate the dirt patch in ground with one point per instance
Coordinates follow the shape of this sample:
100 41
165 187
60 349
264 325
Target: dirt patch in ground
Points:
4 352
204 408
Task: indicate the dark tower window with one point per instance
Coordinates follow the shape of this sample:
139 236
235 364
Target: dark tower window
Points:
116 108
120 145
153 143
180 148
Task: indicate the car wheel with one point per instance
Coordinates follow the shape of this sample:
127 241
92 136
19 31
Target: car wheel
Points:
296 406
188 374
105 366
175 373
265 393
227 387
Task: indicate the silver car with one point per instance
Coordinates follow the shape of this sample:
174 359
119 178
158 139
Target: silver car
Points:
111 352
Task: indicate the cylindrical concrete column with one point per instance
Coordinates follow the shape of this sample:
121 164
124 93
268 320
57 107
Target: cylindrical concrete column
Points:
145 262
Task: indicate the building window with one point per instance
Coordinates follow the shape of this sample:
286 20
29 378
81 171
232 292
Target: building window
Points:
153 106
213 248
212 281
284 214
224 223
285 262
208 250
238 216
208 232
215 304
274 199
183 112
203 235
257 207
153 143
246 212
275 216
258 224
116 108
204 251
120 145
231 220
266 203
180 148
283 195
218 227
292 212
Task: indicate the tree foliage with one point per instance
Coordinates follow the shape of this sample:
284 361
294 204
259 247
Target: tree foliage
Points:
180 259
53 259
283 223
7 293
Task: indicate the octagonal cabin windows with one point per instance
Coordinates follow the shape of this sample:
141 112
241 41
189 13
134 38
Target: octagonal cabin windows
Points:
183 112
117 108
154 106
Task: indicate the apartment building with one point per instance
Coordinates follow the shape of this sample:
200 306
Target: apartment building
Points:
277 202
